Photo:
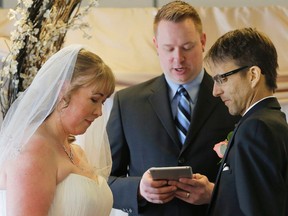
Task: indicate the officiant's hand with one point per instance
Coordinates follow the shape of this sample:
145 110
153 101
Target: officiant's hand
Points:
156 191
197 190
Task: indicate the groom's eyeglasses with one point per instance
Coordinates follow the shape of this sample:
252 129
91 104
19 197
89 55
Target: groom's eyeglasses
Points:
222 78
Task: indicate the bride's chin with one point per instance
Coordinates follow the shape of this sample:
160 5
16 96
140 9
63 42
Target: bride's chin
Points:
79 131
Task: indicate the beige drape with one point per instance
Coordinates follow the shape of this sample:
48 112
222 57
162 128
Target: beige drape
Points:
123 37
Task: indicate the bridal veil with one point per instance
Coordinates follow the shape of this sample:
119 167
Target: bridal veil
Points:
33 106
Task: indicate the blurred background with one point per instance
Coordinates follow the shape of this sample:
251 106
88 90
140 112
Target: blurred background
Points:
159 3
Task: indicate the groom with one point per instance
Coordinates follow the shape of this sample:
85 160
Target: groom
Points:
253 177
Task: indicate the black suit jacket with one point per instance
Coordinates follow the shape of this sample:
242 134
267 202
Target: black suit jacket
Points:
253 178
142 134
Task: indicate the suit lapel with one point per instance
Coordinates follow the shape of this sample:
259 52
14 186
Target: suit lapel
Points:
200 115
216 185
160 102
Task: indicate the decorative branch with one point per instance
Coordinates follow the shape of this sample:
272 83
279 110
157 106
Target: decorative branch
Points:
41 27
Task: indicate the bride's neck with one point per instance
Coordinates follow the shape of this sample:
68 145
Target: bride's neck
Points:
54 128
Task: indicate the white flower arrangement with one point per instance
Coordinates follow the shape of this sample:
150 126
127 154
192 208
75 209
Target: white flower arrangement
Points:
40 29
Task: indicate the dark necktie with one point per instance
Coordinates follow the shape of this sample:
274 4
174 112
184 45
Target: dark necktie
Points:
183 114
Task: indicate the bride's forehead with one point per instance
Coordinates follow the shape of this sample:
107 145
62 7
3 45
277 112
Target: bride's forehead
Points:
94 90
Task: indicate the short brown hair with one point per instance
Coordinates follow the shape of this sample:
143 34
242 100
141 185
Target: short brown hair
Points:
177 11
247 47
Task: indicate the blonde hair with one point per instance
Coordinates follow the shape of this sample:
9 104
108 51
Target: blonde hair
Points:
101 76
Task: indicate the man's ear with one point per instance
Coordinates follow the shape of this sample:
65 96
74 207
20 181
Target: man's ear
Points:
203 41
155 43
254 75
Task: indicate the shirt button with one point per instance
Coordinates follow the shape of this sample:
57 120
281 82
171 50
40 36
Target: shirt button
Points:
181 161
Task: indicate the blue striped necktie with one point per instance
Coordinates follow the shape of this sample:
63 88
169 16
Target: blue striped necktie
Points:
183 114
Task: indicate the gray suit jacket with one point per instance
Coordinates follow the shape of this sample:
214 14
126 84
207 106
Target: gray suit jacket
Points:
142 134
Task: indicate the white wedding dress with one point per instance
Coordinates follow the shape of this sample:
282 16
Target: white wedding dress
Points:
76 195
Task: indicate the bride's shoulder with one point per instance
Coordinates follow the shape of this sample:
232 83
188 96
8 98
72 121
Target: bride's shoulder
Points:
39 145
33 162
36 153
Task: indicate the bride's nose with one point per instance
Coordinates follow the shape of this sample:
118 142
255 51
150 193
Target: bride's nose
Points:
98 111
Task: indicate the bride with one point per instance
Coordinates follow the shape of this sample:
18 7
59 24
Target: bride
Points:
42 172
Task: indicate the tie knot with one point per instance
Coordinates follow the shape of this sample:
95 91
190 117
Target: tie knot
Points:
183 92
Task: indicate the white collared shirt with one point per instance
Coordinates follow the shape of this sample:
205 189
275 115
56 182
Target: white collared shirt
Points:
257 103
